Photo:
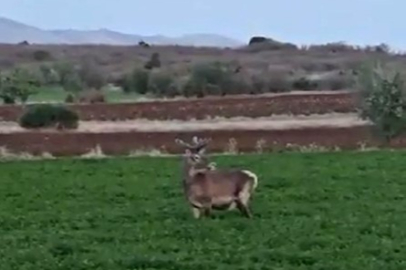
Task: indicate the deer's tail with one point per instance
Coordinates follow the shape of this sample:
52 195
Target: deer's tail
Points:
254 178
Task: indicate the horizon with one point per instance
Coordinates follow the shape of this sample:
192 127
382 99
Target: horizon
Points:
357 22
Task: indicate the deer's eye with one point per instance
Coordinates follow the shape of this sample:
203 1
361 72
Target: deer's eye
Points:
195 158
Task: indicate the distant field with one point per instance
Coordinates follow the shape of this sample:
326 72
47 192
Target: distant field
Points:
312 211
265 68
55 94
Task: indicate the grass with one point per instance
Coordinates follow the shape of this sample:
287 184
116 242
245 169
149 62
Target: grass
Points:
311 211
55 94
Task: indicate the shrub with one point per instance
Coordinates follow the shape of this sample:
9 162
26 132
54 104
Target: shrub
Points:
92 96
41 55
91 75
279 83
334 47
154 62
271 46
210 79
19 84
72 83
69 78
70 98
162 85
257 85
48 75
382 100
6 63
137 82
305 84
63 69
48 115
6 93
339 82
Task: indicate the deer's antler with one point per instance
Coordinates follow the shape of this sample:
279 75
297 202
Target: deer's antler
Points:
200 143
182 143
196 143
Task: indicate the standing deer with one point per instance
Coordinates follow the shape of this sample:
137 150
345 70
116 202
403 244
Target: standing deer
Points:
210 188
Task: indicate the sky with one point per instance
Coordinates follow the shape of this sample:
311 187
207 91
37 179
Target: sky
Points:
299 21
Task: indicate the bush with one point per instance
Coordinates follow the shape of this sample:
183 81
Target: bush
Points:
72 83
162 85
69 77
382 100
154 62
48 115
339 82
304 84
137 82
70 98
49 76
210 79
92 96
19 84
41 55
91 75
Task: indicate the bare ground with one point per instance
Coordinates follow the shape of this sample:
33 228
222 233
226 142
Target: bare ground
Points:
238 123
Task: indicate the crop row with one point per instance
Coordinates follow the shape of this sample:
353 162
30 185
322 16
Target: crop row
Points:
254 106
123 143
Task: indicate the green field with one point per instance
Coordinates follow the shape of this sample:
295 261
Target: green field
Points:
55 94
325 211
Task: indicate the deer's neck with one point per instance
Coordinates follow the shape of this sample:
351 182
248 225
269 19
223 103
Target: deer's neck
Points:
188 168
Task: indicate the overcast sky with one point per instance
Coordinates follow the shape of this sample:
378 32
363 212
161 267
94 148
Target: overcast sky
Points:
299 21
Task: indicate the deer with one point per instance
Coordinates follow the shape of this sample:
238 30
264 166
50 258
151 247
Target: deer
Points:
208 187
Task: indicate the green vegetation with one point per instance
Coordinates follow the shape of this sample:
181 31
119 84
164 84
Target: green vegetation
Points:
57 94
311 211
154 62
263 66
382 100
49 115
19 84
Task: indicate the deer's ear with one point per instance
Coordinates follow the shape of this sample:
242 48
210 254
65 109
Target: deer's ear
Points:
178 141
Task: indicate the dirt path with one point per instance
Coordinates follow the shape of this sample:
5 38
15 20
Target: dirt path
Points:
238 123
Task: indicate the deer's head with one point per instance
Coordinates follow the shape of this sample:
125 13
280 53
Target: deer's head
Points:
195 152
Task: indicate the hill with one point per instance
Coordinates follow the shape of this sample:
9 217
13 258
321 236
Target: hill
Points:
12 32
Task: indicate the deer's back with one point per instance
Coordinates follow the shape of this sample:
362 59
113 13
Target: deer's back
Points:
218 183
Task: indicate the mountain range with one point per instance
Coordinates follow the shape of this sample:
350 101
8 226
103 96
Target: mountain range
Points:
15 32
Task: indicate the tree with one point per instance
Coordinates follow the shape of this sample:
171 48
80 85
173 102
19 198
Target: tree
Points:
20 84
153 62
382 100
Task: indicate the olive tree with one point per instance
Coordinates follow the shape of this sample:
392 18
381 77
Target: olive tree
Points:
381 99
18 84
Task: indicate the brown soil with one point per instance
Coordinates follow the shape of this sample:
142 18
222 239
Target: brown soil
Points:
184 109
67 144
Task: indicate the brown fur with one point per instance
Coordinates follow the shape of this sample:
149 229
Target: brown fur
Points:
206 187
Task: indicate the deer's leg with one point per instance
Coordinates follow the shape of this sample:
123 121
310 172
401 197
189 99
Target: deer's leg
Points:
196 212
242 201
207 211
243 209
